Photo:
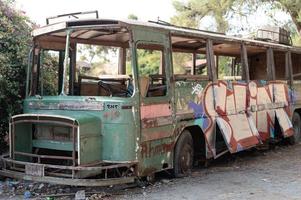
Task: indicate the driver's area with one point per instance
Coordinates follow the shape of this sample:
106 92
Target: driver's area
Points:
113 86
103 71
99 63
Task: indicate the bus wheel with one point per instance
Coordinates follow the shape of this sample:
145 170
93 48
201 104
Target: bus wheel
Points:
183 157
297 128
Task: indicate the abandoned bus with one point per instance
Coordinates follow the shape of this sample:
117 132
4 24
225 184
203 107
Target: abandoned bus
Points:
109 101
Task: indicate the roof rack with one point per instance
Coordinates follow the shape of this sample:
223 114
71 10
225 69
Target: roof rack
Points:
74 15
164 23
275 35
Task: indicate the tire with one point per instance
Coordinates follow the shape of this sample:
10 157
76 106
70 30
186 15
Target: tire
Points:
183 157
296 121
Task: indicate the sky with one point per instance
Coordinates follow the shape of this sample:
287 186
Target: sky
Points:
39 10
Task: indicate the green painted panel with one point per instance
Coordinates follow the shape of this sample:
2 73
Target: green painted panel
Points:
23 140
120 142
51 144
90 149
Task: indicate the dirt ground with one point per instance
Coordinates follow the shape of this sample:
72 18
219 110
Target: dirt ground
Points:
272 174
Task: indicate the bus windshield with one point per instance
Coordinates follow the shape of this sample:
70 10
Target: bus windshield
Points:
92 68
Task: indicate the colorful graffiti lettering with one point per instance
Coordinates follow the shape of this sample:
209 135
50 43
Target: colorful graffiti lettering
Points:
245 113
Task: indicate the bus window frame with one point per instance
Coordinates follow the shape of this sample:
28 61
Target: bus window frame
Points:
164 68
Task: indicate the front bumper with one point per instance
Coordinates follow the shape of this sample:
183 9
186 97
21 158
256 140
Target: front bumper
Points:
38 172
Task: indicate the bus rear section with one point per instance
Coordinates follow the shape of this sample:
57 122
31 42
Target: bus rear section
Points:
235 95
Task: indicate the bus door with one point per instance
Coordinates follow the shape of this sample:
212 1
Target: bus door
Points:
156 110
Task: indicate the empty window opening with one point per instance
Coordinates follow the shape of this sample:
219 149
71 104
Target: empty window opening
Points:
258 66
151 70
100 71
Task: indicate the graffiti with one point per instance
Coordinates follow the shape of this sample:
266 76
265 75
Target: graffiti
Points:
245 113
183 96
197 89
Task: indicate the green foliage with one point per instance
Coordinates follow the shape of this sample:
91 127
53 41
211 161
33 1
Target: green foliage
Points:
224 66
189 13
14 47
132 16
90 52
102 59
149 61
180 60
49 73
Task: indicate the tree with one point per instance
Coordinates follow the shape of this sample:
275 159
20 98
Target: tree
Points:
132 16
292 7
192 11
14 47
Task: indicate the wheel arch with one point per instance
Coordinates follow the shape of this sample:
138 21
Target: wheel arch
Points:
198 137
297 110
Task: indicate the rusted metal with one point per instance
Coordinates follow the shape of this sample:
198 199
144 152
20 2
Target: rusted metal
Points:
245 62
76 168
43 156
270 64
68 181
210 61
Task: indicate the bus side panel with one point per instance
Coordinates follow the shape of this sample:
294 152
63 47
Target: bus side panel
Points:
189 105
229 103
155 155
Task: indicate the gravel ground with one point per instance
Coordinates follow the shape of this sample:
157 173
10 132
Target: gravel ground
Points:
272 174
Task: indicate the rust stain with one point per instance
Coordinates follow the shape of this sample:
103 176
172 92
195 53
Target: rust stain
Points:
148 150
111 115
157 110
149 123
156 135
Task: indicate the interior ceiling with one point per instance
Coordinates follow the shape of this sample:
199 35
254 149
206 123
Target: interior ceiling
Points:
108 35
219 48
119 36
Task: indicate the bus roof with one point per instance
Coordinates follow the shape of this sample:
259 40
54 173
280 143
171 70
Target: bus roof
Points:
93 24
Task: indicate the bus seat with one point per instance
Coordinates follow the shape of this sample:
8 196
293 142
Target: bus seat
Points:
144 85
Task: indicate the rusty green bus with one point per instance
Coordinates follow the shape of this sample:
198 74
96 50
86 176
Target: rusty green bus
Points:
129 99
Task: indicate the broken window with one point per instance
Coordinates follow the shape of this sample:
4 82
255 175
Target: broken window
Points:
228 61
48 77
151 70
228 68
200 65
182 63
98 70
258 65
279 58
